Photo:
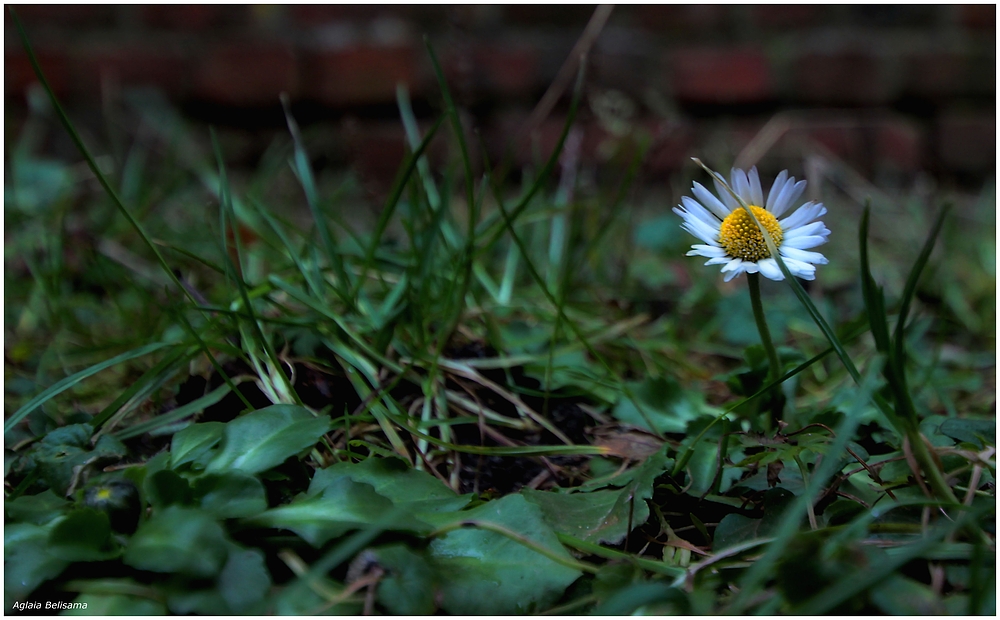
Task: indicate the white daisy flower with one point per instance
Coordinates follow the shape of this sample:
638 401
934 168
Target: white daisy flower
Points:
733 240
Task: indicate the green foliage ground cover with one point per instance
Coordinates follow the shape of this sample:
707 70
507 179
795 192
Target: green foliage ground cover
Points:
233 392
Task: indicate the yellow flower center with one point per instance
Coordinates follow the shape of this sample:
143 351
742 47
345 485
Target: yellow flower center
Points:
741 238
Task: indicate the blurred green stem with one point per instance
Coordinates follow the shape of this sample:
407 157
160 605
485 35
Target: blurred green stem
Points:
753 280
765 334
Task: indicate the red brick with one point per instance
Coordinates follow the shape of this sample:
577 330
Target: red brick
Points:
707 75
978 16
18 73
672 147
936 74
898 143
678 17
506 69
361 75
189 16
786 15
131 63
844 77
842 135
77 15
247 73
966 142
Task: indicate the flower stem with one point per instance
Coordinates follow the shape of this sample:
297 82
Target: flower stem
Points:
753 280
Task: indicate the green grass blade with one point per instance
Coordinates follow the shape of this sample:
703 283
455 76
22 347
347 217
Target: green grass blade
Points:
391 202
140 384
763 569
495 229
911 287
176 415
257 335
304 173
91 163
856 583
61 386
873 296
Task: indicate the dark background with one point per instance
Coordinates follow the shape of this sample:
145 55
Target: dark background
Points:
892 91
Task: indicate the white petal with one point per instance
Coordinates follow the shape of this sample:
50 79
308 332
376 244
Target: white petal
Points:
709 201
803 243
693 207
749 267
697 229
725 196
709 251
770 270
709 230
732 264
807 257
816 228
756 193
788 196
779 184
719 260
800 269
741 185
732 274
806 213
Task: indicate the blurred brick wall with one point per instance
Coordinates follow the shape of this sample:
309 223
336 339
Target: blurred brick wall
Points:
896 88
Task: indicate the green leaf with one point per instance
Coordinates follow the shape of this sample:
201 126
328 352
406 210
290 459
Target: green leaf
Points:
735 528
38 509
900 596
343 505
83 536
667 405
602 516
28 561
408 587
244 581
60 453
393 479
486 572
264 438
72 380
194 442
165 487
178 540
230 495
116 605
981 432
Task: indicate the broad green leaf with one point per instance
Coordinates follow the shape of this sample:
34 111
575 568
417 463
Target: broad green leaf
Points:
28 560
486 572
84 535
900 596
666 404
629 600
409 585
979 432
194 442
264 438
164 488
244 581
116 605
602 516
393 479
735 528
38 509
65 449
343 505
178 540
230 495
